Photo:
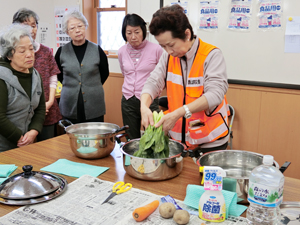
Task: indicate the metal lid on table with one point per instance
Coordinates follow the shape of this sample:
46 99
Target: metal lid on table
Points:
23 187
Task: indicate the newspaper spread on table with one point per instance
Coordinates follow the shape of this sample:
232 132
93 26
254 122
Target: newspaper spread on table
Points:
81 204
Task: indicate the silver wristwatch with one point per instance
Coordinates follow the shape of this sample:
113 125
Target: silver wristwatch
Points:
188 113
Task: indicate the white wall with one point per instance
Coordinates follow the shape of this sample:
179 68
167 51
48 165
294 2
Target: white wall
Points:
44 9
255 55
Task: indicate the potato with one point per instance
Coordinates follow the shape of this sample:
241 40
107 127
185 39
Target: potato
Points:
167 209
181 217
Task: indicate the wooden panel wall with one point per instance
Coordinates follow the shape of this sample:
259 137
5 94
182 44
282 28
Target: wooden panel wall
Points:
248 102
113 95
267 122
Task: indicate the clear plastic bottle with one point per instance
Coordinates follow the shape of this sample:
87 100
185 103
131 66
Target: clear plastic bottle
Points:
265 194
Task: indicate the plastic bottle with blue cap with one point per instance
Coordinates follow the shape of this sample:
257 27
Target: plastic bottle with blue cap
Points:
212 205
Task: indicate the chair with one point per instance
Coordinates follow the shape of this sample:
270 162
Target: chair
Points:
163 103
231 117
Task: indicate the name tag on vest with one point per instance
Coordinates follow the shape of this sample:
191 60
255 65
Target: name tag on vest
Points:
195 82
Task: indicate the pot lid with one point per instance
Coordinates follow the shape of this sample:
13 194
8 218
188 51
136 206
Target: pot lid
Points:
29 184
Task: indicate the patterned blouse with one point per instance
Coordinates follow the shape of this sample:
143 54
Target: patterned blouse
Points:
46 65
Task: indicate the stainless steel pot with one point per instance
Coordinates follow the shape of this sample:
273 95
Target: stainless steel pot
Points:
238 166
92 140
150 168
31 187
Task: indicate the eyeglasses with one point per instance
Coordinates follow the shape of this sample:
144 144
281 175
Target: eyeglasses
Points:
80 27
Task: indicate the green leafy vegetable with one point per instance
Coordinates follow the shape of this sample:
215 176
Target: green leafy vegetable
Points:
154 143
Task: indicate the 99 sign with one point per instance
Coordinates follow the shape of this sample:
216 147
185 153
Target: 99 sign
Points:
210 176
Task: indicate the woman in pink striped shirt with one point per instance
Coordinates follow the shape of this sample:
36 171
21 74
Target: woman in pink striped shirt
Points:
137 59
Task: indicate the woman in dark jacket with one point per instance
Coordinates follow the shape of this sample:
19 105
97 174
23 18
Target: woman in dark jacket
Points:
22 102
84 69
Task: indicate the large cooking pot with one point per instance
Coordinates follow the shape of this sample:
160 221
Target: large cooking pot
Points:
31 187
91 140
238 166
150 168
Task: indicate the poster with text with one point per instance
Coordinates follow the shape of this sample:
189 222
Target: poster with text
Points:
183 4
270 14
209 15
240 15
44 34
61 37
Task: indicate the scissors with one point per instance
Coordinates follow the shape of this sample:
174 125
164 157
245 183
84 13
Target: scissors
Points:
118 188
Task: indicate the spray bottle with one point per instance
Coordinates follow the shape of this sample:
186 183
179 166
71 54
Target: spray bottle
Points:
212 205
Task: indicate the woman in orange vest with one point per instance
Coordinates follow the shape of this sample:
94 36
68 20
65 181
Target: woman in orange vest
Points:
194 74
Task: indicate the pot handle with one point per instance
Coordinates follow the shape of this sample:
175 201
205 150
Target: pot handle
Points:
118 138
195 154
182 155
120 129
284 166
60 123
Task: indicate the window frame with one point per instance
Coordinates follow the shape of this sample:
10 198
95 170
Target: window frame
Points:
112 9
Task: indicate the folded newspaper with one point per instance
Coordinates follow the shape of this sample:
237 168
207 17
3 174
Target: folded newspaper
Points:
81 205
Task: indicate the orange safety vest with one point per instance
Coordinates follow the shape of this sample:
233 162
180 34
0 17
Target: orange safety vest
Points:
216 123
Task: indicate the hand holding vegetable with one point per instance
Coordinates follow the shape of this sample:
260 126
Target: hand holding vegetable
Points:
154 143
146 113
141 213
169 120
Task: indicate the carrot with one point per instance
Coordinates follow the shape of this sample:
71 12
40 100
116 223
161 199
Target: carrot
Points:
141 213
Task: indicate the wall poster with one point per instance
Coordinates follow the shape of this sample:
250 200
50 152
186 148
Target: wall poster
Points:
209 15
61 37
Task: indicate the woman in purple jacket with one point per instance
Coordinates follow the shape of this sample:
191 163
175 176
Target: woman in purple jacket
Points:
137 59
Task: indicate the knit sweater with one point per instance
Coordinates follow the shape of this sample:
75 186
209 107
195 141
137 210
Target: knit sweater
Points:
135 75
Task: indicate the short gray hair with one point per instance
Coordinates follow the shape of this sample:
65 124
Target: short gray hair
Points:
73 14
23 15
10 37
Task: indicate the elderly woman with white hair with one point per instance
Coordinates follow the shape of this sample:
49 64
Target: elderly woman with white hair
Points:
84 69
45 64
22 102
